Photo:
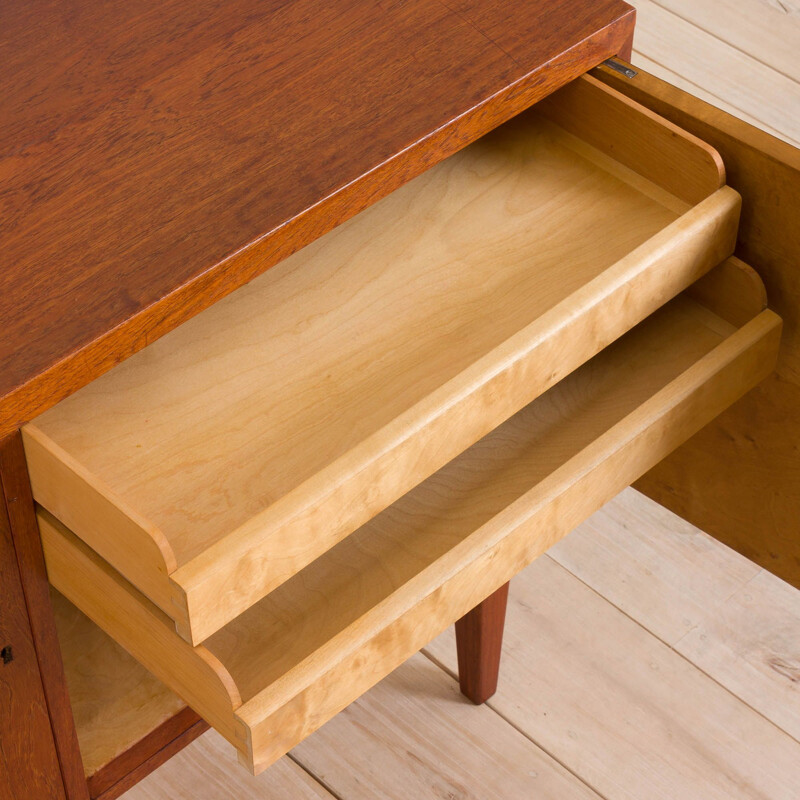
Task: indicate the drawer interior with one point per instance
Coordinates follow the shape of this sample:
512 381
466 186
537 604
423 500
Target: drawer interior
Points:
321 638
226 457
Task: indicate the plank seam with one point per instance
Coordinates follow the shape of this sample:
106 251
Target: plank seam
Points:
671 647
725 42
316 778
769 129
519 730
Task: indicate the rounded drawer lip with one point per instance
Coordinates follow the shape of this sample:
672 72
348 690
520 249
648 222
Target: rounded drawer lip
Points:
208 481
270 677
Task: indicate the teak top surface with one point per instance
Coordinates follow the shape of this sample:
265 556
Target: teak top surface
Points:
156 155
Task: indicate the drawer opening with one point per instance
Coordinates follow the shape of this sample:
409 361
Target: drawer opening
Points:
314 644
116 703
224 458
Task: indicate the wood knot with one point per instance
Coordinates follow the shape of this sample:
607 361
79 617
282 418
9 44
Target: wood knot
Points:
789 669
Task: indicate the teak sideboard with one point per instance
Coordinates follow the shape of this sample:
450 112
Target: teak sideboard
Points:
320 321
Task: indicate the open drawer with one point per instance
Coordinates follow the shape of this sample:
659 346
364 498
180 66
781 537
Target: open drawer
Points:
224 458
314 644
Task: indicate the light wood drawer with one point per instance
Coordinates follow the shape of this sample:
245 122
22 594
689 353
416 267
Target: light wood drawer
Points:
218 462
314 644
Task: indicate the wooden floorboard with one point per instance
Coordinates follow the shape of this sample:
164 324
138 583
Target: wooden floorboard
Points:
751 645
766 30
208 770
657 568
655 68
739 80
621 709
641 655
415 736
735 621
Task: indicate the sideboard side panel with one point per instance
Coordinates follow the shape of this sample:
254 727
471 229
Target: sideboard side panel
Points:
739 478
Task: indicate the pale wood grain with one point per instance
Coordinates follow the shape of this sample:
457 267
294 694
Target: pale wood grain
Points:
115 700
415 736
766 30
643 62
620 709
751 645
323 638
263 431
657 568
207 770
736 78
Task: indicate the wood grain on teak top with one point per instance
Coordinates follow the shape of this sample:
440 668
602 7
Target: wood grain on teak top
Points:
156 155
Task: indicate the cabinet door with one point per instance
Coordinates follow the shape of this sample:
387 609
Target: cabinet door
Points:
28 762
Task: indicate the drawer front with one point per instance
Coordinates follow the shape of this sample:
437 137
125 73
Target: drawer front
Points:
276 673
217 464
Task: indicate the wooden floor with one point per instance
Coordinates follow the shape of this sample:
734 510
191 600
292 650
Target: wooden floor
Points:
642 659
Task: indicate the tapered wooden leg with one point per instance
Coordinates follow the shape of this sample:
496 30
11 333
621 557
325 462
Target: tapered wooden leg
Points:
479 640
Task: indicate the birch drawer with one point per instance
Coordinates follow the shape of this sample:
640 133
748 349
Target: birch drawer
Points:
223 459
316 642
